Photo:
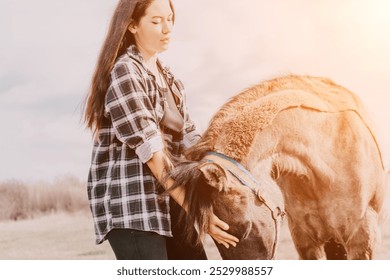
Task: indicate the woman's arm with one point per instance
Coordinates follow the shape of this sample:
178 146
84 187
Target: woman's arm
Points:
217 228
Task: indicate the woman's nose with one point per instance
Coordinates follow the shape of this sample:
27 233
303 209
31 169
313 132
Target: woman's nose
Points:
167 27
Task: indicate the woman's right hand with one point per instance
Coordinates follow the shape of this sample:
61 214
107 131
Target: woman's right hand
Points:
217 230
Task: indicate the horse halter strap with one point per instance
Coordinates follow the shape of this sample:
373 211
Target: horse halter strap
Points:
263 193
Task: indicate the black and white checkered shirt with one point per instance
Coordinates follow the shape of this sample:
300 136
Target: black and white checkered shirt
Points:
122 191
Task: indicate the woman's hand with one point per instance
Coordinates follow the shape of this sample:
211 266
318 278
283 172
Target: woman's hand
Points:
217 230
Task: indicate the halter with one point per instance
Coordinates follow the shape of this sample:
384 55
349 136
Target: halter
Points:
264 193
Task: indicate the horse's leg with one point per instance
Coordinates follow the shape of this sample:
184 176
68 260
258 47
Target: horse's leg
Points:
335 251
362 244
306 247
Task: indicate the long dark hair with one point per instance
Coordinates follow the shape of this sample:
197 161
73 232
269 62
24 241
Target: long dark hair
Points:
117 40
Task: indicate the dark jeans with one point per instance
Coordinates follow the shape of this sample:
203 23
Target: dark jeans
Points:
129 244
177 248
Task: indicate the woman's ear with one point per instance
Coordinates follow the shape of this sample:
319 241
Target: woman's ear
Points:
132 28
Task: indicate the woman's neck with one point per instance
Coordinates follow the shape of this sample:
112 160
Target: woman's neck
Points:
150 58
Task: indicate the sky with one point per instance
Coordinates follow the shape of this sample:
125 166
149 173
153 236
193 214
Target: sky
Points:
49 49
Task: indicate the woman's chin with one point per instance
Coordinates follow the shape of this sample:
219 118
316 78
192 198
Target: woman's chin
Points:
164 47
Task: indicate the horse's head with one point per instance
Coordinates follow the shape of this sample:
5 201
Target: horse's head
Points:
211 186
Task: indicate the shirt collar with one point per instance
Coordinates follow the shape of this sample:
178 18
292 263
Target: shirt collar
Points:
134 53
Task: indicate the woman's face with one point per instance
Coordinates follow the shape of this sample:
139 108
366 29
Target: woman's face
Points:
152 33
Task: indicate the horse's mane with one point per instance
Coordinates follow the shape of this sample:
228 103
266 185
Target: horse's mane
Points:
197 197
240 102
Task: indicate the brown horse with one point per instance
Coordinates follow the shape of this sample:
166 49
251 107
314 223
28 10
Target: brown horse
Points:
310 137
253 208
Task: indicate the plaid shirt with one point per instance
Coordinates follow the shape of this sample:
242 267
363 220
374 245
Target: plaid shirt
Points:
122 191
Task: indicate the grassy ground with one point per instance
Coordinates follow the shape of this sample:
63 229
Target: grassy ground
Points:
70 237
51 237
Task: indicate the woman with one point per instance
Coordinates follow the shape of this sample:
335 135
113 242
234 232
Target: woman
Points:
136 108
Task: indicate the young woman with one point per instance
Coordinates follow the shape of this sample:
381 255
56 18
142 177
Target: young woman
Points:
136 109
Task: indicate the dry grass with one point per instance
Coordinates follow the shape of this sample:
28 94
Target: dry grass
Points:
22 201
65 236
57 236
52 221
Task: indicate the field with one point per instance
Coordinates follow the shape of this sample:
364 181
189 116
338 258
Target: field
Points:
69 236
52 221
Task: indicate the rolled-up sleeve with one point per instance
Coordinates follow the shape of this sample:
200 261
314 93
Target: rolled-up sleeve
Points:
191 134
133 117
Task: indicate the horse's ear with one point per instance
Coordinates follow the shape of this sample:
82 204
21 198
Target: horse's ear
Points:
214 175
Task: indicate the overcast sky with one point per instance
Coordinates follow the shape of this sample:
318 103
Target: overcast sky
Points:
49 48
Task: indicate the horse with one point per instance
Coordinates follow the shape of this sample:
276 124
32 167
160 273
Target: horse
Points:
300 145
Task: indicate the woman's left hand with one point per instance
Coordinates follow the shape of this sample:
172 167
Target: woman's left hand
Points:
217 230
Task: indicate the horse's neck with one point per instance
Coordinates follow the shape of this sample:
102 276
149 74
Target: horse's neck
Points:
266 157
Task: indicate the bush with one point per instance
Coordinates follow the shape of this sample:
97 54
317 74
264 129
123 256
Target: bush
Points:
20 201
13 201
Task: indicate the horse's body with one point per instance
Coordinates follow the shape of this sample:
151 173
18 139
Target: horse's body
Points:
312 138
